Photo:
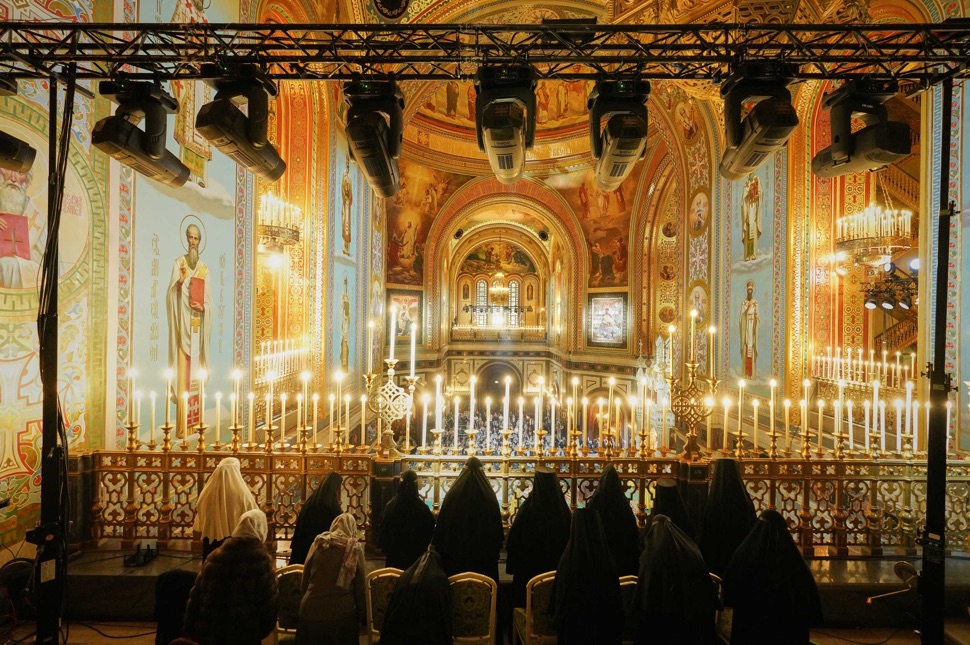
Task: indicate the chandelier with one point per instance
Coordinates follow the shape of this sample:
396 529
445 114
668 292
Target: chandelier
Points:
873 236
278 222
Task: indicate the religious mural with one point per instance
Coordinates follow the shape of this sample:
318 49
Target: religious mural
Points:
410 213
407 305
605 219
498 256
607 321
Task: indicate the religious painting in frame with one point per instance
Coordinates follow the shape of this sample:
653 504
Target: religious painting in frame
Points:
607 320
408 305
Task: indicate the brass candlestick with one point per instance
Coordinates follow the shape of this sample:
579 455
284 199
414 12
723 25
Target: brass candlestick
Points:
132 443
807 443
472 446
688 402
200 429
166 437
506 446
412 382
540 449
436 450
270 431
572 451
302 433
234 445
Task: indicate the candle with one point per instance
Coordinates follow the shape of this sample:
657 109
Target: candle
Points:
456 424
912 363
521 404
909 407
151 416
363 420
741 385
848 408
539 404
438 403
425 398
949 406
663 427
471 405
302 418
787 405
370 346
316 401
633 422
709 402
339 377
821 408
536 413
882 425
727 409
201 396
898 371
347 420
710 350
393 333
333 401
269 413
754 404
505 404
299 416
168 394
185 418
670 351
570 415
218 414
283 421
585 422
916 422
899 420
414 340
132 373
866 406
693 325
488 421
236 377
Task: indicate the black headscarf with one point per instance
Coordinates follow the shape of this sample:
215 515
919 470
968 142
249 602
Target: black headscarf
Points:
667 501
539 533
586 597
619 522
675 598
419 610
729 515
770 587
319 511
407 524
469 532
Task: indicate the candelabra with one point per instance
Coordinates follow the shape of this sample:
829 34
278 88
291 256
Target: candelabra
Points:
132 428
200 429
691 403
390 402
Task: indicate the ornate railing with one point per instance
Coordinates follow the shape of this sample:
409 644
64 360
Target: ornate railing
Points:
898 336
854 506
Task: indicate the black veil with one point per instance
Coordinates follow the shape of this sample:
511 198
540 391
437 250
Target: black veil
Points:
619 522
407 524
318 513
729 515
419 610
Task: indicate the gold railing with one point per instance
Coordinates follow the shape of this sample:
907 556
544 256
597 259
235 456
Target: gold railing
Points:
848 506
898 336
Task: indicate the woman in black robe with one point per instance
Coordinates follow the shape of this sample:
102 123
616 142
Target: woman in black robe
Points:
772 590
619 523
675 598
407 524
419 610
539 533
318 513
586 594
668 503
469 532
728 518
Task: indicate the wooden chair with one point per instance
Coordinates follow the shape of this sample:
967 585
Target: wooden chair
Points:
473 608
378 585
290 582
722 615
628 587
535 625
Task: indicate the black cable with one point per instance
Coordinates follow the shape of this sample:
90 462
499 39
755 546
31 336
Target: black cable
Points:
93 628
21 640
849 640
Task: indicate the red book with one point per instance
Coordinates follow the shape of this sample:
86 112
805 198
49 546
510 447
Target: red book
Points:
15 238
197 291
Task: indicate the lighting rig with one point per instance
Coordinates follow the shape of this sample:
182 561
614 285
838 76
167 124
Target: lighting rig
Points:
505 117
15 155
375 131
622 142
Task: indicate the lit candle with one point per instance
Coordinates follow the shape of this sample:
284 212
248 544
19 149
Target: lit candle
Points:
633 422
821 409
710 349
363 420
299 416
393 332
538 410
521 406
727 409
218 415
316 401
339 377
899 421
471 404
151 416
425 398
252 418
754 405
909 407
663 426
456 424
693 325
185 418
438 403
132 373
670 352
569 415
647 420
168 394
234 414
866 406
333 404
772 384
370 346
787 405
585 422
269 413
806 385
505 404
898 373
302 418
347 419
202 375
539 404
912 363
916 422
488 421
741 385
414 340
283 421
882 425
848 408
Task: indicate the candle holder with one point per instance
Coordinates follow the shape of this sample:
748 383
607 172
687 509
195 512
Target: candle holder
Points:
839 451
166 429
412 382
572 451
151 445
270 432
687 402
540 449
132 444
217 446
739 444
472 446
200 430
235 430
806 451
506 446
302 434
390 402
645 451
436 450
772 443
908 446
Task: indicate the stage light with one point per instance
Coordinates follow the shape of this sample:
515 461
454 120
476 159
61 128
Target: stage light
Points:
505 117
623 141
241 137
15 155
914 264
871 301
906 302
888 302
889 269
142 150
767 126
375 126
878 144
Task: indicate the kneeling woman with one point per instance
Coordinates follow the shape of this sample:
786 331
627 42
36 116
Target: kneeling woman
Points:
332 609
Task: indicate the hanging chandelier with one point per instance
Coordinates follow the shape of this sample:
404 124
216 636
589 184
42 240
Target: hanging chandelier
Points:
873 236
278 222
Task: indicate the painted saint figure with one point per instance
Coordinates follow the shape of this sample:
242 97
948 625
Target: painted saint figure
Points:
406 249
751 216
194 150
749 332
345 329
347 193
188 306
23 232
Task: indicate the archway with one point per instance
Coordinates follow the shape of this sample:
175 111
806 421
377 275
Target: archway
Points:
491 382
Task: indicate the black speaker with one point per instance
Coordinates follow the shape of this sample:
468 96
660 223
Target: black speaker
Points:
544 235
459 233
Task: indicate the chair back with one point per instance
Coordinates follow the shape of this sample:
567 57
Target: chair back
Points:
723 616
540 624
379 585
289 579
473 607
628 587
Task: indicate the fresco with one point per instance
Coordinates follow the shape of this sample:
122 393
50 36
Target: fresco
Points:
755 235
607 320
605 219
409 216
408 307
498 256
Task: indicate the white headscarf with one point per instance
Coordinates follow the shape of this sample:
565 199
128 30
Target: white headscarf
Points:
252 524
342 535
223 501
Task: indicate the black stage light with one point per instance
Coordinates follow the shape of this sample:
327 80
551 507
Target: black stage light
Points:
623 141
878 144
888 302
871 301
889 268
375 129
767 126
906 303
15 155
241 137
142 150
505 117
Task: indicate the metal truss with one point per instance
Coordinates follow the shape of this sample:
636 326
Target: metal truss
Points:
917 54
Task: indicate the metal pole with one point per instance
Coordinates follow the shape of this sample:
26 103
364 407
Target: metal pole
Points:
934 532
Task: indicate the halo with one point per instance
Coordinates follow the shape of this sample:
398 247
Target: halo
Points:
192 219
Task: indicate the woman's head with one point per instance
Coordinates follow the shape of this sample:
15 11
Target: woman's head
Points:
345 524
252 524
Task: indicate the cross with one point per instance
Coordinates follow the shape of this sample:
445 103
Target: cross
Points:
196 323
13 237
